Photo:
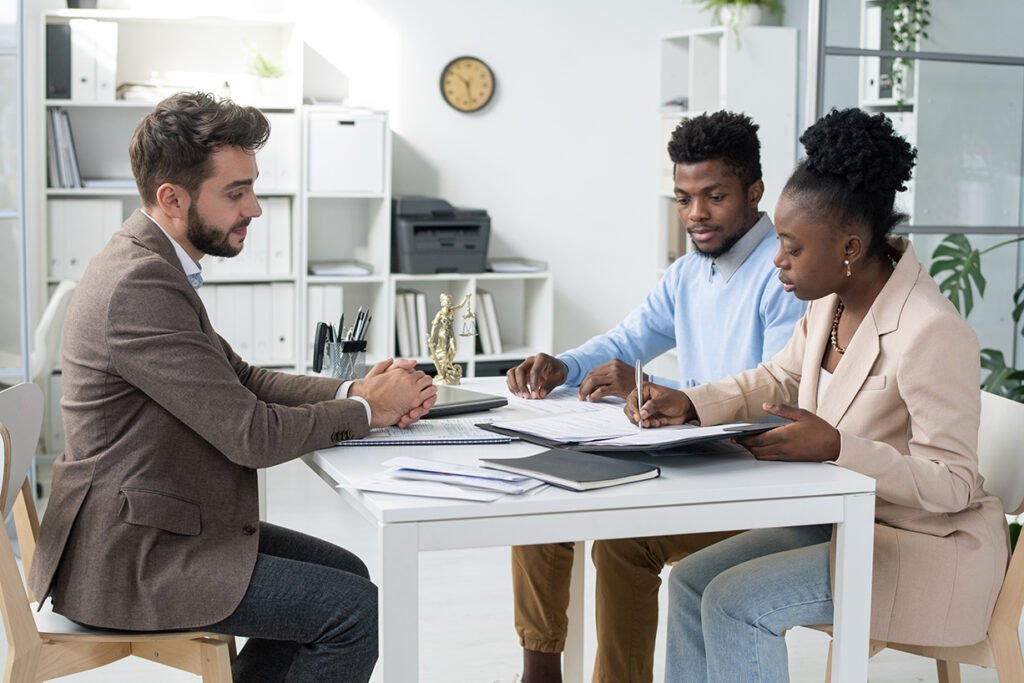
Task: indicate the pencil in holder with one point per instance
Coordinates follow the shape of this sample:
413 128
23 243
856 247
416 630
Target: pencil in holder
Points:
345 359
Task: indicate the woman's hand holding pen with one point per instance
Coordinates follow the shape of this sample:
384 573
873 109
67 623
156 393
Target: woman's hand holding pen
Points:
807 438
661 406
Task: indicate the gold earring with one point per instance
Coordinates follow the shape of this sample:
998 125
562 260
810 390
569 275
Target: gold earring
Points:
846 262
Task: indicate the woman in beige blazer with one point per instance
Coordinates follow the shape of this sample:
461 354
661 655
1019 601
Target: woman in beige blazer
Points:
886 374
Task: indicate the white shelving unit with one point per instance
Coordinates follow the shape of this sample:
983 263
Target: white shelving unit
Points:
347 215
324 185
752 70
148 53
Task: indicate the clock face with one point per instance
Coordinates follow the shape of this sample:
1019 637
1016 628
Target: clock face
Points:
467 84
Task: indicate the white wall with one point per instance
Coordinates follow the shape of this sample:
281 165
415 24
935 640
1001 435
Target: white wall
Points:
565 156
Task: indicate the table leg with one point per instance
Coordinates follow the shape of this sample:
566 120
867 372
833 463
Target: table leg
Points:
398 592
854 549
572 660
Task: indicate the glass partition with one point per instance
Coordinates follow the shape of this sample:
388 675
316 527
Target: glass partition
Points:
13 301
956 92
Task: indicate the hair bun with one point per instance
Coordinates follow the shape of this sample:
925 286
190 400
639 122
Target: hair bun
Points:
861 149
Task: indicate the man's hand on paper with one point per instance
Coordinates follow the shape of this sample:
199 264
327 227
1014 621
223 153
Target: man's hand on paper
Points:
807 438
536 376
397 392
661 406
613 378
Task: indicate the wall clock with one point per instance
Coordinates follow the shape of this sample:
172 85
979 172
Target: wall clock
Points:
467 84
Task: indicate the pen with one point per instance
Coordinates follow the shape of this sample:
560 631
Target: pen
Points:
639 393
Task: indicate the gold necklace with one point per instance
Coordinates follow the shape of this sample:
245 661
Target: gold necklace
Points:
834 336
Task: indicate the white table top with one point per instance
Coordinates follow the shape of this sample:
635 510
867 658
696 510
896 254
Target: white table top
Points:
717 472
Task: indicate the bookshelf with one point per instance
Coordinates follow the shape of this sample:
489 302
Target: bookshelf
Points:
324 186
347 216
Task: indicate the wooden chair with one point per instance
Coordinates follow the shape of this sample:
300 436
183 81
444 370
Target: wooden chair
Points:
1001 462
44 645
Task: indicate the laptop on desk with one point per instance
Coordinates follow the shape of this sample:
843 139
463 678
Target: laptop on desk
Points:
456 400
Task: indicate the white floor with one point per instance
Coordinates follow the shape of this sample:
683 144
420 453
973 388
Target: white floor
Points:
466 610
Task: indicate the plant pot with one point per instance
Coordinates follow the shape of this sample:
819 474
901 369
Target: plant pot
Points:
746 15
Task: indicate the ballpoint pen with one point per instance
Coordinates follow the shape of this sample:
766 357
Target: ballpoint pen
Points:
639 393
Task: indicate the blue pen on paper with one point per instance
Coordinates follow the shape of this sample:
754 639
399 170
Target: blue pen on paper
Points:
639 393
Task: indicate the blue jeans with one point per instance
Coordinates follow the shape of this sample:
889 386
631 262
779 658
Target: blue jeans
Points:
310 614
730 604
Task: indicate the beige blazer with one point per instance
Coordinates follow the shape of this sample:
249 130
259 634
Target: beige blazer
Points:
905 400
153 517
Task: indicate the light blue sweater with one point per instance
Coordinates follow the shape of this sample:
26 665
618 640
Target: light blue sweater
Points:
722 315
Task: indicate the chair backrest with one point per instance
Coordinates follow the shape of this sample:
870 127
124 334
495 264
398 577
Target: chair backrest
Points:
46 342
21 419
1000 446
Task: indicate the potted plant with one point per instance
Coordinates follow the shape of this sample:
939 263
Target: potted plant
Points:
733 13
906 21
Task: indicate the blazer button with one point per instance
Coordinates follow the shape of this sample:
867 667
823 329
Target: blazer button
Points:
248 529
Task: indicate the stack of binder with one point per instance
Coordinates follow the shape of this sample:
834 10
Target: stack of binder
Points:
61 159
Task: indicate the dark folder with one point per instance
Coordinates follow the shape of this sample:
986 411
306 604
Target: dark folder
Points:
741 430
574 470
58 61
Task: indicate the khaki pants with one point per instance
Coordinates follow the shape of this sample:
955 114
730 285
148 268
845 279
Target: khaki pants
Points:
628 579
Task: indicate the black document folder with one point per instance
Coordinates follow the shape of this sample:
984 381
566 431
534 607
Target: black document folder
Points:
575 471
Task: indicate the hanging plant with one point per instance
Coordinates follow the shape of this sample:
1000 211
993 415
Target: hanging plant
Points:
907 22
729 12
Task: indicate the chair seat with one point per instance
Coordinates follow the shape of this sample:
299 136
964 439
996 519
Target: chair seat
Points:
53 626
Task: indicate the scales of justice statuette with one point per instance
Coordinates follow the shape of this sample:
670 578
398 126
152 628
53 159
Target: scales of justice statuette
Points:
441 340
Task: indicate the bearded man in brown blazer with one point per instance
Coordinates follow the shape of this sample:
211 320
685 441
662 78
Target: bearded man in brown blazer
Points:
153 521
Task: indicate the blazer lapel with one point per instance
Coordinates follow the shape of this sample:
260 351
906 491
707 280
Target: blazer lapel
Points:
882 318
818 327
851 372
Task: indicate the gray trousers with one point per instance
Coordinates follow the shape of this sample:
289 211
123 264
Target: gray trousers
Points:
310 614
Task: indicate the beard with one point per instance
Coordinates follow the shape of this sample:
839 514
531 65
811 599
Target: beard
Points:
728 244
209 239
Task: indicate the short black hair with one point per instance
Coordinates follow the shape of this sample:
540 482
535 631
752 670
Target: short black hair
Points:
174 142
722 135
855 165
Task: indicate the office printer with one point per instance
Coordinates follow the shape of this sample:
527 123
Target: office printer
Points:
429 235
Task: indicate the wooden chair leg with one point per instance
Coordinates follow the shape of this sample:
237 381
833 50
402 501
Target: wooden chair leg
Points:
828 664
215 657
22 668
1007 653
949 672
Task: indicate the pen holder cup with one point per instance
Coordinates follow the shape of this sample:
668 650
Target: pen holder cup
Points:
345 359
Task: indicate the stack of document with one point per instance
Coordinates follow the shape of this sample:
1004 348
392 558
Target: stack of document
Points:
435 479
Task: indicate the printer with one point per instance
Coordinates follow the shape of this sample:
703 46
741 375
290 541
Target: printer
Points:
429 235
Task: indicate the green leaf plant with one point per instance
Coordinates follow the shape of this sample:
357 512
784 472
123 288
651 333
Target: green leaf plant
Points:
956 265
907 22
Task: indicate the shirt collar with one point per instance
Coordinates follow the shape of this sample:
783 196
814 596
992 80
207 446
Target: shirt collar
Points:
193 271
728 263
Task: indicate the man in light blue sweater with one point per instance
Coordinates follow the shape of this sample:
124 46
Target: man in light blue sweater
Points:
724 310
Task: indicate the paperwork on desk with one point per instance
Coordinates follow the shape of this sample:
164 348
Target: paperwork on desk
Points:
611 428
563 400
435 479
456 430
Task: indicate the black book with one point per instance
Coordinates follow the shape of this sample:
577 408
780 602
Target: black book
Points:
58 61
574 470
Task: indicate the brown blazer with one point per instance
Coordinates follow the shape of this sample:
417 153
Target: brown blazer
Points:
153 518
905 400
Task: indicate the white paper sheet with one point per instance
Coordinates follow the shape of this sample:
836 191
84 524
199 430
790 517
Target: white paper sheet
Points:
598 424
386 483
564 400
672 433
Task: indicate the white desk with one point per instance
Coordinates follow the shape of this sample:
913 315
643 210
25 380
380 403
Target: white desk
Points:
694 493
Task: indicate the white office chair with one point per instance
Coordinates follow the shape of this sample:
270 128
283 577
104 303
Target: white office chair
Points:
45 353
1000 439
